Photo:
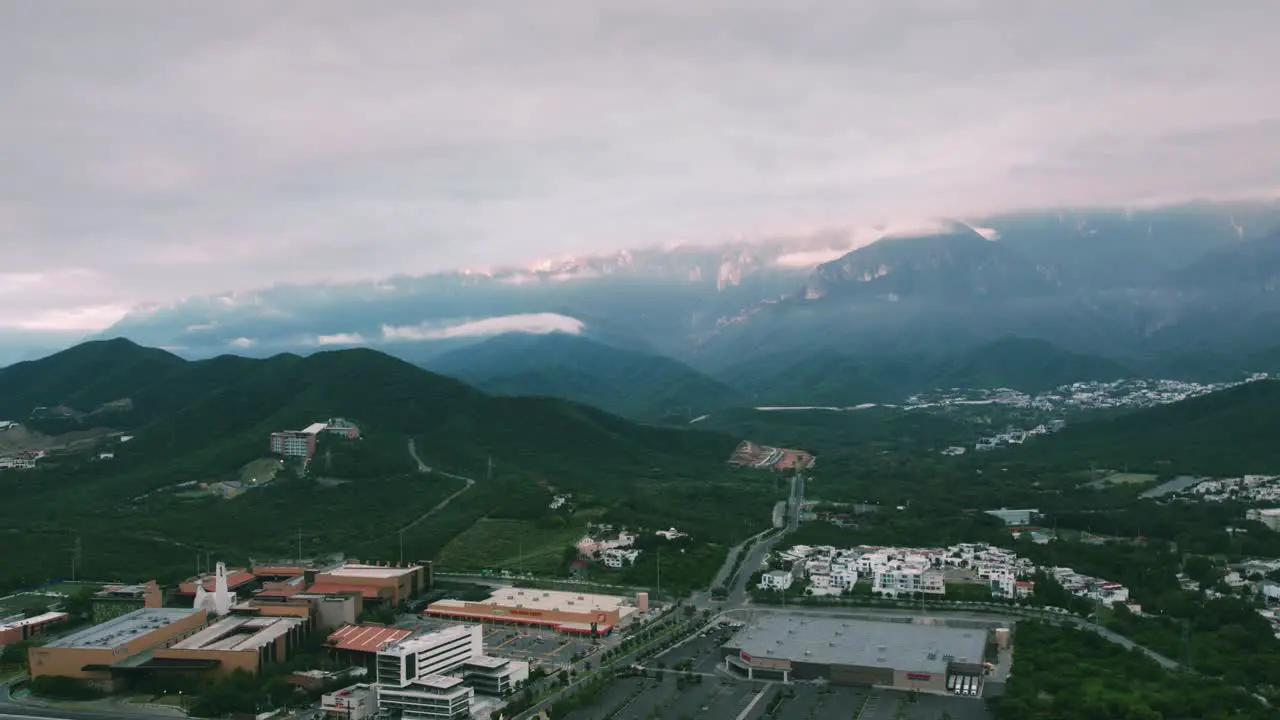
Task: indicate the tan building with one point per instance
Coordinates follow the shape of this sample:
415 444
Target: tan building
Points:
90 654
563 611
235 643
375 583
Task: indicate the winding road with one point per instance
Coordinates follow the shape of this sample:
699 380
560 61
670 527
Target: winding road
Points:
427 470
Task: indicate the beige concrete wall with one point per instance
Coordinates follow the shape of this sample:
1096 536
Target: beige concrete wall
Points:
70 662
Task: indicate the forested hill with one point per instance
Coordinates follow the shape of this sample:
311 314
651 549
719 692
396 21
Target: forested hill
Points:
220 411
626 382
1226 432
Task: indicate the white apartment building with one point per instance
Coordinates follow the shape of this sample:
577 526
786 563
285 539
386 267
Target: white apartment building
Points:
905 580
776 580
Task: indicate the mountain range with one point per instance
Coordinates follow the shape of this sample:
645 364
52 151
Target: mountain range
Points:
231 404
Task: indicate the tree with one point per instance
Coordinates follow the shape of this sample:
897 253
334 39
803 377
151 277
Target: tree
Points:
79 604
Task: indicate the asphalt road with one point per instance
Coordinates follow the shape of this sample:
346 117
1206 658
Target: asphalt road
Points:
762 547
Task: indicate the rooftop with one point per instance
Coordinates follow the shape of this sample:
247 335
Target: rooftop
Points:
898 645
439 682
557 600
120 630
235 578
239 633
367 638
314 428
487 661
370 571
35 620
429 641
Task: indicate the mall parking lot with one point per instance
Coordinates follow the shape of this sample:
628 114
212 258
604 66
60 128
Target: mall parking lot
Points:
541 648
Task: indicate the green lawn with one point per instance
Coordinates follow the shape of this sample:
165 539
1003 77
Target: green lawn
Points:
509 545
70 588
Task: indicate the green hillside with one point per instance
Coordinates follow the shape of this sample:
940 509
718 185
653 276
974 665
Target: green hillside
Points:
200 422
626 382
83 377
1231 431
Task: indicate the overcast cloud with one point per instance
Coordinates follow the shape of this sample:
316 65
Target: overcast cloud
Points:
154 150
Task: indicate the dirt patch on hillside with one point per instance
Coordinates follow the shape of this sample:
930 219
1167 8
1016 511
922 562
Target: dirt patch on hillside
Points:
20 439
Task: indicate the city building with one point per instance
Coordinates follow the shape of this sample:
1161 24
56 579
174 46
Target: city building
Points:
360 644
493 675
236 643
293 443
919 655
1024 516
430 697
563 611
357 702
116 600
411 679
92 654
302 443
16 630
374 583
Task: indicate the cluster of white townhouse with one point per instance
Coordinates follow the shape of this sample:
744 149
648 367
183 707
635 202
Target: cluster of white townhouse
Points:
1085 586
893 571
899 571
1249 488
1007 573
21 461
615 552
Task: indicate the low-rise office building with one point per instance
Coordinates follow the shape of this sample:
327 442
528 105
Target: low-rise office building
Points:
237 643
374 583
569 612
23 629
92 654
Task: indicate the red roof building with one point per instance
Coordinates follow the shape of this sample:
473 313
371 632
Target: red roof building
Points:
366 638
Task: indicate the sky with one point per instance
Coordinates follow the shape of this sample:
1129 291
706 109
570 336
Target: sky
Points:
151 151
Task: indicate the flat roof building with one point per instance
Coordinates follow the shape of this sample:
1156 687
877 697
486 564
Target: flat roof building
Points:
16 631
116 600
239 643
563 611
903 655
90 654
375 583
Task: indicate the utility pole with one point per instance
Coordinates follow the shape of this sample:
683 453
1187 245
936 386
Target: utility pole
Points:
299 545
659 572
401 533
75 558
489 475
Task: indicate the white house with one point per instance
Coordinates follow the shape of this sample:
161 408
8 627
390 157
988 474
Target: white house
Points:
618 558
776 580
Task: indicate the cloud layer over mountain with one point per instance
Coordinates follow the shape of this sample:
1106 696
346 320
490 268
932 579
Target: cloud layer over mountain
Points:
153 152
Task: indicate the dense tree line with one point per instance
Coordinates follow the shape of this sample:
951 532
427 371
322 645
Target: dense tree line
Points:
1062 673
